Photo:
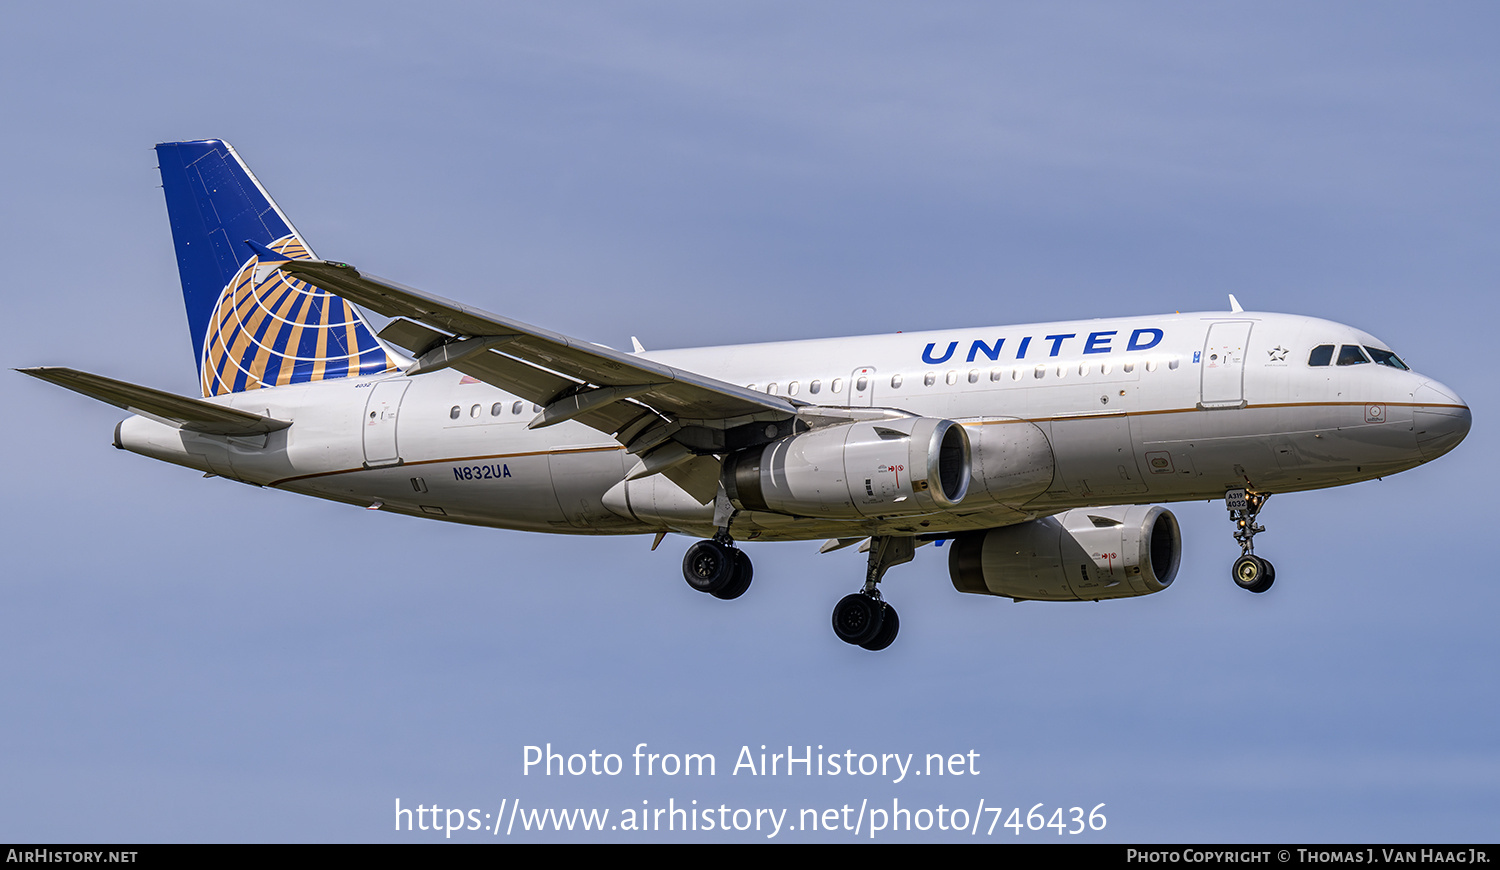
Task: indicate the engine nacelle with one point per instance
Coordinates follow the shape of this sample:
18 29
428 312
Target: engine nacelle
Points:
1082 555
907 465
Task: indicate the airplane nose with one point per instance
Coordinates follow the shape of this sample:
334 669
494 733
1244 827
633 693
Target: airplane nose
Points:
1440 421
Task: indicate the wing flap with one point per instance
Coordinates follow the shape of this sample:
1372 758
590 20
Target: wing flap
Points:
541 387
680 394
412 335
195 415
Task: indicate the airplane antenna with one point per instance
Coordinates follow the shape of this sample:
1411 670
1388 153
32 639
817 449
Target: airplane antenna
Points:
1234 304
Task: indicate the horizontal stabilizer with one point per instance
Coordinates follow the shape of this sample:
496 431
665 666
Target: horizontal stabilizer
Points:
195 415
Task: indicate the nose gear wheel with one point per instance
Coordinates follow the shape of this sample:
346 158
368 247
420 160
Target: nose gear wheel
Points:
1250 571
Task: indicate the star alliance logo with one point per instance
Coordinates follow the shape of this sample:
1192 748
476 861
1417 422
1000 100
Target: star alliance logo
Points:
1278 354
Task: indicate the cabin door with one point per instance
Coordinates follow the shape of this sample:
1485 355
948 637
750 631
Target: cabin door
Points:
1223 364
380 422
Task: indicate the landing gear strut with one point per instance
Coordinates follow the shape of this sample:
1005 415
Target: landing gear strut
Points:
1250 571
864 619
718 567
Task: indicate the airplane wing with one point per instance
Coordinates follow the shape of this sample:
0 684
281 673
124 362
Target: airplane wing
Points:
194 415
573 379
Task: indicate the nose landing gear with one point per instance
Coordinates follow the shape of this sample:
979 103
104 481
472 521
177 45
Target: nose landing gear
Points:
1250 571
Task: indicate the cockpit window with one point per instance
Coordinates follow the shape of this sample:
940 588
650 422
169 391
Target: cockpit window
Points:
1386 358
1321 355
1351 355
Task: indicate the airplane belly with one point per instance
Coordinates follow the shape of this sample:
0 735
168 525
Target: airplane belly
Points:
581 477
1201 453
513 490
1347 442
659 503
1095 456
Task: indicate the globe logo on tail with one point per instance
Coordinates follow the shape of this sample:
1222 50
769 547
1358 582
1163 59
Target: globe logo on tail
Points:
268 329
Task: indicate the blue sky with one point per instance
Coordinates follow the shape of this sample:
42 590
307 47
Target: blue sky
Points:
190 659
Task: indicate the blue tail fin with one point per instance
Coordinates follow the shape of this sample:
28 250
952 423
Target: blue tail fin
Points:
252 327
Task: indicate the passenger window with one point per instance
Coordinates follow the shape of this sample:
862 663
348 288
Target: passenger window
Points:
516 408
861 385
1351 355
496 408
474 412
453 414
1041 371
929 379
1129 367
1172 363
895 382
1062 371
838 385
1321 355
791 389
770 389
1105 368
1150 365
996 374
973 376
952 378
815 387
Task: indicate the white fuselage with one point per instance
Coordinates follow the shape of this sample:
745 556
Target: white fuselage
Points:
1132 410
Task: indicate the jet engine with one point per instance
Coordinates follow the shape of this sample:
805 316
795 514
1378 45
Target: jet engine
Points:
1082 555
907 465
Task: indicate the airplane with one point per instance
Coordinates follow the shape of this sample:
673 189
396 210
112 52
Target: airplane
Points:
1039 454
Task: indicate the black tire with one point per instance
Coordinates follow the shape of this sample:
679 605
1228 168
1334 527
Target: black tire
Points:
708 566
1253 574
743 572
888 628
857 618
1270 577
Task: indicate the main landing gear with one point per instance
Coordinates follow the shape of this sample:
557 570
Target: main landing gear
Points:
864 619
721 569
1250 571
718 567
